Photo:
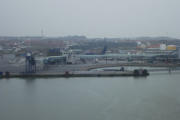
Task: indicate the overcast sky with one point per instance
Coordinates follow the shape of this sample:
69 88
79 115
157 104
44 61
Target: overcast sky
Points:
93 18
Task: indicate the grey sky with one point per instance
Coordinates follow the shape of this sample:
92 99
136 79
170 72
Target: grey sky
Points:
93 18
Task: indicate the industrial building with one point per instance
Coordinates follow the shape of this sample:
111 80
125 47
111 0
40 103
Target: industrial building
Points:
55 60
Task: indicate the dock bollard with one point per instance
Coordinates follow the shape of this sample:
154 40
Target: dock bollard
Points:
66 74
145 72
7 74
136 72
1 74
140 72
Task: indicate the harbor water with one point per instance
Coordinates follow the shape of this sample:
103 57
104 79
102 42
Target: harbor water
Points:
156 97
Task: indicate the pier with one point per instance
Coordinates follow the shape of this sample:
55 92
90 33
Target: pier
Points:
75 74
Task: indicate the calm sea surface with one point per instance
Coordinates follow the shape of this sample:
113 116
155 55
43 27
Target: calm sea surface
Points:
156 97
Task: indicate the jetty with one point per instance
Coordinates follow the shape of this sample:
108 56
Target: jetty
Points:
77 74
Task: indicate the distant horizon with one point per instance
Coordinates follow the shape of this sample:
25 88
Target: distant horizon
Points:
90 37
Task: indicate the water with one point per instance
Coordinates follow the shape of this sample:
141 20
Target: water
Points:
156 97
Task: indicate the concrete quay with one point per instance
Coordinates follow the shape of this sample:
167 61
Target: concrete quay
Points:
73 74
80 70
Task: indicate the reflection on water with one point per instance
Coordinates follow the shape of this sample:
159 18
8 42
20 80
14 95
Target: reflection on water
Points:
155 97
